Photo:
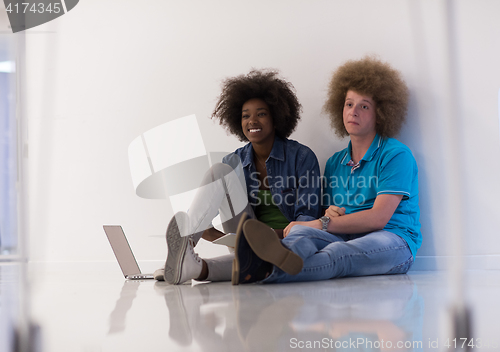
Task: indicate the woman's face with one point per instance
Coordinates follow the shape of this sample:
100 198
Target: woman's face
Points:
359 115
257 122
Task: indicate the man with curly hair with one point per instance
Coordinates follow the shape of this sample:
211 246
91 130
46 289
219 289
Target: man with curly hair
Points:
272 178
370 193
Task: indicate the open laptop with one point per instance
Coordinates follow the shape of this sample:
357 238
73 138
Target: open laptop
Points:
124 254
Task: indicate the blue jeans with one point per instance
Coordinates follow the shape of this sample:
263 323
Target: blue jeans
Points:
327 256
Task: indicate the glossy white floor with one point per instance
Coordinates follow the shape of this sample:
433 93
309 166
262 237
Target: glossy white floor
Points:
96 310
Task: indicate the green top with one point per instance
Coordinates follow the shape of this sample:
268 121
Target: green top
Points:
267 211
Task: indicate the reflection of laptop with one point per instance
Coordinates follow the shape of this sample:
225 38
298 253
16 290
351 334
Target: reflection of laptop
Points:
124 254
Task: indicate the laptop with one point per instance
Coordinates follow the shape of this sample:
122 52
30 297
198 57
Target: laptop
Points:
124 254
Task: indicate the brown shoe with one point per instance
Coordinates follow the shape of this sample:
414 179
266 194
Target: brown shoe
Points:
247 266
267 246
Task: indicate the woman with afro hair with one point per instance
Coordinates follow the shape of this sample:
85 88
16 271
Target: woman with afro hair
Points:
370 192
272 178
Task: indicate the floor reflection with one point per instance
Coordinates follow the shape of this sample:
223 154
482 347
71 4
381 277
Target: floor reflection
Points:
7 302
11 304
203 313
123 304
356 314
375 313
102 313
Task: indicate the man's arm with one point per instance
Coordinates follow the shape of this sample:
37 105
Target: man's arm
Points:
363 221
366 220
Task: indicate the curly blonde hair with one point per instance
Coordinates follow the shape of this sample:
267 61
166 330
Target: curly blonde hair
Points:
265 84
369 76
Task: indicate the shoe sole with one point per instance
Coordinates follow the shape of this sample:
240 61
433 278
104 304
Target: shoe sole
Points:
267 246
235 276
176 251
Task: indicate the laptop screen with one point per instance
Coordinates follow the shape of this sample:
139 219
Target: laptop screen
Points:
122 250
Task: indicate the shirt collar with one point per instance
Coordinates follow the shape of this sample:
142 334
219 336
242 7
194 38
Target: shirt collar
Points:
278 151
370 153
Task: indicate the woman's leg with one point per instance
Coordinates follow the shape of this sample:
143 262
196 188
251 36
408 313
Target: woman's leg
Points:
220 268
232 205
221 191
379 252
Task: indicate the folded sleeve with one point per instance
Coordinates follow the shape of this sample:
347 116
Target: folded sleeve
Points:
396 175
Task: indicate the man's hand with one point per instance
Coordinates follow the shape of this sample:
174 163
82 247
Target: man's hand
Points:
331 212
316 224
334 211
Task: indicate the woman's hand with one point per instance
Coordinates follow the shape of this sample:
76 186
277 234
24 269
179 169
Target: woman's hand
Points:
316 224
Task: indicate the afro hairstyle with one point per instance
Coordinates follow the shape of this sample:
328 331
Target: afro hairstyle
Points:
369 76
264 84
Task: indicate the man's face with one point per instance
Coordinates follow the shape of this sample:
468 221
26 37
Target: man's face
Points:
359 115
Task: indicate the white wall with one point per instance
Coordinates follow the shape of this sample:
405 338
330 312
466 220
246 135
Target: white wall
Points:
110 70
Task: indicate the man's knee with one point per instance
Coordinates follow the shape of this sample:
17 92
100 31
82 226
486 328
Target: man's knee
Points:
300 230
297 233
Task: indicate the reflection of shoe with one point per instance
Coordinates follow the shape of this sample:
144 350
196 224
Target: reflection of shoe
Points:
249 302
273 322
257 241
161 287
179 330
262 320
182 262
247 266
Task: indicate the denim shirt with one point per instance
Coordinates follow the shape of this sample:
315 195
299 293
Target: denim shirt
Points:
293 177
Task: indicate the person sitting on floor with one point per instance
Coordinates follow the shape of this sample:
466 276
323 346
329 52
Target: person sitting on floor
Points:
280 183
370 193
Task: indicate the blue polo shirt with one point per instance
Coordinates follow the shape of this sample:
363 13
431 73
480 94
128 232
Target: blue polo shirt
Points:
388 167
